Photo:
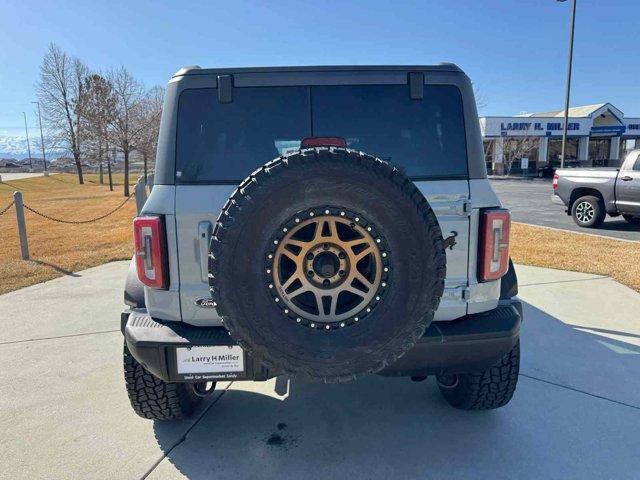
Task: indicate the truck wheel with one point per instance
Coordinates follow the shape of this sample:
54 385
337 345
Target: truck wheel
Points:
492 388
631 219
155 399
327 264
588 211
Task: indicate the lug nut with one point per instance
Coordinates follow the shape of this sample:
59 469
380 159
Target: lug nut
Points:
326 283
341 255
310 256
325 246
341 273
310 273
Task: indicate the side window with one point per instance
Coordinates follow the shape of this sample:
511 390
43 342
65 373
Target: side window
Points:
636 166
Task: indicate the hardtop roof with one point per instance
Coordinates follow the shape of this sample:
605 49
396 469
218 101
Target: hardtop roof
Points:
196 70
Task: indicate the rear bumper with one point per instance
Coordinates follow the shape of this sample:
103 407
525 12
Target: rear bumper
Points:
469 344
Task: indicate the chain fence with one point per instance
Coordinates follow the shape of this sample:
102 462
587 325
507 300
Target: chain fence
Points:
140 193
78 222
5 209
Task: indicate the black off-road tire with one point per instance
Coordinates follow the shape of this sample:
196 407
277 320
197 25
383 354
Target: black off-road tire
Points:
492 388
599 212
631 219
153 398
340 179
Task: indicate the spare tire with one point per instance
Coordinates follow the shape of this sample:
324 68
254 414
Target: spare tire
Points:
327 264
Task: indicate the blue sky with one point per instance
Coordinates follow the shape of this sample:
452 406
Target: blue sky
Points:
514 51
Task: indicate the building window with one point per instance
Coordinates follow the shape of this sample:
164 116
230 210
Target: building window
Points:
517 151
626 145
599 149
554 151
488 154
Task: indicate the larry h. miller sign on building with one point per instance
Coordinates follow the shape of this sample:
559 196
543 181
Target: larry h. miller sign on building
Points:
597 135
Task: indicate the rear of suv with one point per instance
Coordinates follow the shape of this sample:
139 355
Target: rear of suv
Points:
320 223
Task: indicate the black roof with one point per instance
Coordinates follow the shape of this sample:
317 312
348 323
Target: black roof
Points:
441 67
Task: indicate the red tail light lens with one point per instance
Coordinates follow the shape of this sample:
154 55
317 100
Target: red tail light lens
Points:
323 142
151 249
555 181
494 244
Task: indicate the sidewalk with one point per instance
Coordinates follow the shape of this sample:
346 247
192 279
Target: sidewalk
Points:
575 414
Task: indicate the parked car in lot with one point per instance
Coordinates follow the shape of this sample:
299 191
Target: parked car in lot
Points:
591 193
367 239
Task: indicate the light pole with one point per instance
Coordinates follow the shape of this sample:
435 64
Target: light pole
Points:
26 130
44 158
568 91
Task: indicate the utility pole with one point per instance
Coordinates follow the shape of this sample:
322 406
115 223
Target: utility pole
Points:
26 130
44 158
568 90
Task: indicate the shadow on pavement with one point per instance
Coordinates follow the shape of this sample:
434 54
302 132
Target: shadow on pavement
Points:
555 427
57 268
615 225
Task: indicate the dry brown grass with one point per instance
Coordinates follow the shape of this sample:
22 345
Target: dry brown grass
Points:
543 247
57 249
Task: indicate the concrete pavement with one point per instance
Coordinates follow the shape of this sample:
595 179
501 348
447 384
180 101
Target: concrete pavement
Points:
8 177
575 414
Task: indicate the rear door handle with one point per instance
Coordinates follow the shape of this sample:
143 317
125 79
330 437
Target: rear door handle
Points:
204 237
626 178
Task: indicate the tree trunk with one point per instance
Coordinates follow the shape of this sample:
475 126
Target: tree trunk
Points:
144 158
109 172
76 157
126 172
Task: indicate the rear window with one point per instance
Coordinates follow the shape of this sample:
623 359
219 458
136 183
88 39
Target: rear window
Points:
224 142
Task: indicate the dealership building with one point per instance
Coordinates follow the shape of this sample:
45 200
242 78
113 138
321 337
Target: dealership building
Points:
597 135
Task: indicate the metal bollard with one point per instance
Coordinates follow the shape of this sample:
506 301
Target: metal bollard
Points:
22 225
141 195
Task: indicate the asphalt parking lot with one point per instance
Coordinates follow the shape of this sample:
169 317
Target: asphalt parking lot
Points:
575 414
530 202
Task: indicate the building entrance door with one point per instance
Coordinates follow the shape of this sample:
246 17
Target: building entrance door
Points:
599 149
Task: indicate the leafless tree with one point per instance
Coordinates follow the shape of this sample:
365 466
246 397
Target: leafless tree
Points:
516 148
61 91
151 113
127 119
481 98
100 103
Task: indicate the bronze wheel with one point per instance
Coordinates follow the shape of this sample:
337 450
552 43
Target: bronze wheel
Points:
329 268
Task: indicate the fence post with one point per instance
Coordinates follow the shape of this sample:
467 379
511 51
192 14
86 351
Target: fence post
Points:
141 194
22 226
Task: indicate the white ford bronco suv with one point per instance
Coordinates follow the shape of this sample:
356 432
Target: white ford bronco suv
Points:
320 223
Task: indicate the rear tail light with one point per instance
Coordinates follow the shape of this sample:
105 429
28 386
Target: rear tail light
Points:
555 181
494 244
323 142
151 251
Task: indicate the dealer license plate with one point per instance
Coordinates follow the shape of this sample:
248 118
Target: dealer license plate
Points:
210 362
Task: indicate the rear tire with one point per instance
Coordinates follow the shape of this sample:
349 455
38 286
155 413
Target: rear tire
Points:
588 211
156 399
492 388
631 219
